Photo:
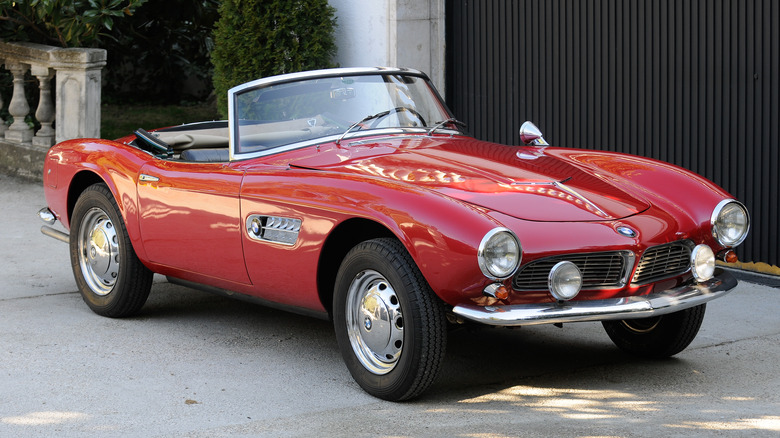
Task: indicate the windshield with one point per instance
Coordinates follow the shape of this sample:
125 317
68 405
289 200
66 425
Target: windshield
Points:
286 113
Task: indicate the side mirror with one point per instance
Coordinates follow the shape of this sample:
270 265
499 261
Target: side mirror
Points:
530 134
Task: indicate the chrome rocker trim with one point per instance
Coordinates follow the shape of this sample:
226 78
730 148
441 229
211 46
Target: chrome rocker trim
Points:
655 304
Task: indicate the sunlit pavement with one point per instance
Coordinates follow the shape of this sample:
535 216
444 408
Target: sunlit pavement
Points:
198 365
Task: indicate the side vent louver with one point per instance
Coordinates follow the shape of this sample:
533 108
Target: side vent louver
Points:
276 229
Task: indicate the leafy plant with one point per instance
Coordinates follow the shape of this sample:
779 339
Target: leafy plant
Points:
66 23
162 53
258 38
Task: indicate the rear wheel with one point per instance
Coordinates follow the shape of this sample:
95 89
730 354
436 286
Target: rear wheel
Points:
657 337
390 326
111 279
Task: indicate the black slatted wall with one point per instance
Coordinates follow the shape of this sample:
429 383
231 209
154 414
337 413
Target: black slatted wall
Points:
693 82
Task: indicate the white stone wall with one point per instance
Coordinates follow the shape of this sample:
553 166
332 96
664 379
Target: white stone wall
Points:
392 33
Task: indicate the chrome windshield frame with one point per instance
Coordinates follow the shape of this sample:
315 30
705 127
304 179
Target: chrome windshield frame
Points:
233 124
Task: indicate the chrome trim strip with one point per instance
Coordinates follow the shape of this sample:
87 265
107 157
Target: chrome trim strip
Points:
571 191
559 185
655 304
383 133
325 73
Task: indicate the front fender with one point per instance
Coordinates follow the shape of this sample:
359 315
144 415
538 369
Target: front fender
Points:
440 233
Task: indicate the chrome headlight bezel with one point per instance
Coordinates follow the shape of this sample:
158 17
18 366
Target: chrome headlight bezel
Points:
490 252
719 223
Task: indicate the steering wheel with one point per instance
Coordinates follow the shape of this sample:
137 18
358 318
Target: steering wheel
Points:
398 109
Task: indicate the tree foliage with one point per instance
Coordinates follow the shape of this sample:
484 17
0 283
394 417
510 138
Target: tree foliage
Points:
66 23
158 51
259 38
162 53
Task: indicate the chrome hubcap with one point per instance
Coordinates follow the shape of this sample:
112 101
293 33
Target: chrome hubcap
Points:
374 322
98 251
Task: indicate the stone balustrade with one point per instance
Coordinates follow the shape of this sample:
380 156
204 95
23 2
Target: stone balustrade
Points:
75 110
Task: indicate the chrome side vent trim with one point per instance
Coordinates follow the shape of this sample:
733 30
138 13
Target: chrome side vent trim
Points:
275 229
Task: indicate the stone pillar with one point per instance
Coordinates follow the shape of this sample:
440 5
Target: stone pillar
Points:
392 33
19 132
78 92
45 112
416 37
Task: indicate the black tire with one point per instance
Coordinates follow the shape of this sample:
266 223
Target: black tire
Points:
395 352
111 279
657 337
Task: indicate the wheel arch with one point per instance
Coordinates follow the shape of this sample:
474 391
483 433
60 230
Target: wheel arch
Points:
86 177
441 234
78 184
342 239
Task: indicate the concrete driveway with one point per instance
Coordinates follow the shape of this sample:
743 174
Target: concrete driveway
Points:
198 365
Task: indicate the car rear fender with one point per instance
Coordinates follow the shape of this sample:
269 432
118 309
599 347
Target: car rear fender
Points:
81 163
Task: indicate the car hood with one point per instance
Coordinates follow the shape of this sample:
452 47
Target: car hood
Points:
524 182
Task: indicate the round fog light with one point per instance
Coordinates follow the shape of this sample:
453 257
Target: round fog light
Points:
564 281
702 263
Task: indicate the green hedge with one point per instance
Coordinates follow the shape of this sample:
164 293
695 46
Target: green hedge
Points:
259 38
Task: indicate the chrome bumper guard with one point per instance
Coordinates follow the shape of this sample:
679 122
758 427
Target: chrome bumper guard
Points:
49 218
655 304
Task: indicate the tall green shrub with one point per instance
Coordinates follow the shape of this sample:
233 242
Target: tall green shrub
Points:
259 38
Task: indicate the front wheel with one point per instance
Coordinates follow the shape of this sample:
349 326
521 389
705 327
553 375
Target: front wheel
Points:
657 337
111 279
390 327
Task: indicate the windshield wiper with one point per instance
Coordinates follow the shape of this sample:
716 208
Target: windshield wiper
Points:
361 121
438 125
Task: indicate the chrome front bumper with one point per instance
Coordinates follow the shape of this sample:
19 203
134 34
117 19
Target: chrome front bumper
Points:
657 303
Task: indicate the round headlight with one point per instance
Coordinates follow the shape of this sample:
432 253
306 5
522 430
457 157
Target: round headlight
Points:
702 262
564 281
499 254
730 223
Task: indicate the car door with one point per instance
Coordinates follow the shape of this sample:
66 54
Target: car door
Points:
284 233
190 218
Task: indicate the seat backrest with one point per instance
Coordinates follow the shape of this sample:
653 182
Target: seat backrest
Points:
206 155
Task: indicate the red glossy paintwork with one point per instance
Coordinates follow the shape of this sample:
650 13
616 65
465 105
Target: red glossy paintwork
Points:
439 195
498 177
191 217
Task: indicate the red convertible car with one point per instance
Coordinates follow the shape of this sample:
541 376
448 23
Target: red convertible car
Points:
355 195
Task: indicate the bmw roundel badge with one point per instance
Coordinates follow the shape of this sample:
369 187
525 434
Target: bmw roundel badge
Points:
626 231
